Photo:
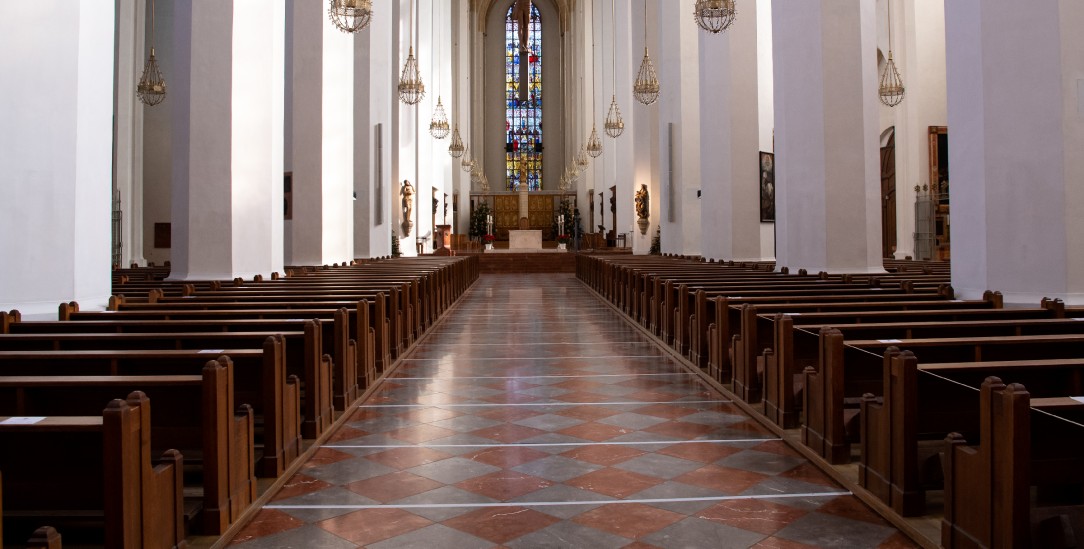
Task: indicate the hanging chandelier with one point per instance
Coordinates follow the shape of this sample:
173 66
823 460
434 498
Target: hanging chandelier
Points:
439 126
411 88
891 88
456 147
594 144
151 88
466 164
614 125
350 15
581 159
646 87
714 16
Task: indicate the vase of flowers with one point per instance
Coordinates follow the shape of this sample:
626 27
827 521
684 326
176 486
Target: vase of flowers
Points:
562 241
488 240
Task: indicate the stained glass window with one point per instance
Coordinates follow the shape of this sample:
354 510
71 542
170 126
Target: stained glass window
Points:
523 119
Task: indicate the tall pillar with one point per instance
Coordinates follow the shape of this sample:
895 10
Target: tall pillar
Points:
645 118
56 105
1016 129
128 128
729 160
827 167
227 105
678 66
322 121
373 104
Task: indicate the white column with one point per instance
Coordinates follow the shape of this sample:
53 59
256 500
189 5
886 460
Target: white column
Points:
373 102
322 120
679 114
227 105
729 160
645 136
621 150
827 165
766 107
128 127
56 104
405 140
1016 104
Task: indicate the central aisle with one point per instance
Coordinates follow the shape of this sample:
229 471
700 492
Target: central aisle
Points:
535 416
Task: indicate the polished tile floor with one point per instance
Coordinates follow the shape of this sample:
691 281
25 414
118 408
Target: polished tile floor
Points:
534 416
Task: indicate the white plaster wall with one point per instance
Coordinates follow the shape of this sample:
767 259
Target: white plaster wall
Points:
1012 126
128 128
201 205
321 231
256 182
55 190
373 84
157 145
766 108
730 167
680 105
645 136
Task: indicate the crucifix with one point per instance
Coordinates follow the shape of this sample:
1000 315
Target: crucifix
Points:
521 13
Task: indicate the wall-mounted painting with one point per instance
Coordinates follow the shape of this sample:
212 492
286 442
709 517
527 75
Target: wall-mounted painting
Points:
767 186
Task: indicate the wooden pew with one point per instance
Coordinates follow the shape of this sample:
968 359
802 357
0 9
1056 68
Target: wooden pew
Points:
848 369
793 343
903 437
350 372
1021 485
112 483
259 379
194 414
302 357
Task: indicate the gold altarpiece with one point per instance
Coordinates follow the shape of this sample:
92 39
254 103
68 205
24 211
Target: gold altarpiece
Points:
542 209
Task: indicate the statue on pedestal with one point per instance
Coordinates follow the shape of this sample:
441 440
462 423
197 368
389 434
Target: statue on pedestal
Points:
407 191
643 208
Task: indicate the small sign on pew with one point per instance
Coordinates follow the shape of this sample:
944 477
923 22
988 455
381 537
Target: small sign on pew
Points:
21 420
211 351
890 340
1079 399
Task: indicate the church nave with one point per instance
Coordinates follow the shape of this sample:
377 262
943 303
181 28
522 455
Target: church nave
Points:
533 415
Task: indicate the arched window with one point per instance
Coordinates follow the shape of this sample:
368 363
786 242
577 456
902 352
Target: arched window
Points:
523 119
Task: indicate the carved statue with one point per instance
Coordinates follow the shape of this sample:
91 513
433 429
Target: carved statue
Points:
408 206
643 209
643 204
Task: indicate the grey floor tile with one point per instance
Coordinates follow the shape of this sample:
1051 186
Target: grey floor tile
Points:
466 424
549 422
453 470
557 468
677 490
659 465
565 535
629 420
694 533
347 471
436 536
330 496
443 496
824 530
761 462
563 493
306 537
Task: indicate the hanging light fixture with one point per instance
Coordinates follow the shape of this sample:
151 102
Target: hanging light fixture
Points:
891 89
438 127
350 15
151 88
456 147
466 164
614 125
714 16
581 159
411 88
594 144
646 87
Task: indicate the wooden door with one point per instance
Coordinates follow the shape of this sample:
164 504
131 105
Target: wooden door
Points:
888 197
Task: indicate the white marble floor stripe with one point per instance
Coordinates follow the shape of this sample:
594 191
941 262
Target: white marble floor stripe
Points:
539 404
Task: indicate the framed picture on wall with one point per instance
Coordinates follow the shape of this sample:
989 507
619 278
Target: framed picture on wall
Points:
767 186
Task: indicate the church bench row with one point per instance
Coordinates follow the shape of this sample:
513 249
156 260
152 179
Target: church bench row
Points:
194 414
788 343
302 355
333 340
849 368
112 492
901 438
260 380
1021 486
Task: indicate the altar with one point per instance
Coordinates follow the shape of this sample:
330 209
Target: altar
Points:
525 240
